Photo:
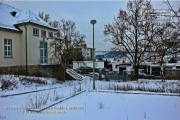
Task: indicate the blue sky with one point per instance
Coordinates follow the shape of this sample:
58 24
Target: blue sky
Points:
81 13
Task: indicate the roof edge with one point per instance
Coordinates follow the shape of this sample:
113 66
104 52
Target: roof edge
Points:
29 22
20 31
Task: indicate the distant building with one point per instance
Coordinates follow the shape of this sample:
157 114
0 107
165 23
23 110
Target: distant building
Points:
79 64
85 52
24 37
120 66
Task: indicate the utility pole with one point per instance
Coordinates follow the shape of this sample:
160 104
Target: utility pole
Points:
93 22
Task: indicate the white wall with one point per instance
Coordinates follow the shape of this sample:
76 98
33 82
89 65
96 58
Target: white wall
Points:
18 45
16 48
78 64
114 68
33 44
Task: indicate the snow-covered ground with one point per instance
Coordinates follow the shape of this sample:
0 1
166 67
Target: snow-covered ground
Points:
110 100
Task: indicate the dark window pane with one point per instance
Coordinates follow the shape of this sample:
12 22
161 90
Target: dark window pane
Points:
35 31
45 45
9 53
5 53
5 47
41 52
9 42
41 59
41 44
45 53
50 34
43 33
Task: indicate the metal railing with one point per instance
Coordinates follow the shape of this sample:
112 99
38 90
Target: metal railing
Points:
74 74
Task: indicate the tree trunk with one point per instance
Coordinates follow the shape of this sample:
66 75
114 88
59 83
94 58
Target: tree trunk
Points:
136 47
162 69
64 75
136 72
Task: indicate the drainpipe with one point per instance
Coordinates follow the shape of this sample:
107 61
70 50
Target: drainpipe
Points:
26 44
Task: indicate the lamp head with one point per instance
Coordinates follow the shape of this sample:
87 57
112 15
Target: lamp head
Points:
93 21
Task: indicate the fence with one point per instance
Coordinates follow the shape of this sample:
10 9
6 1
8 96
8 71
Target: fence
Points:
168 74
172 74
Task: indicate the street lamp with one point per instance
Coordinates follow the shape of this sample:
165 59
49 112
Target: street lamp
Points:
93 22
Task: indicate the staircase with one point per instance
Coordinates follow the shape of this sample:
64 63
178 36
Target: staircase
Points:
74 74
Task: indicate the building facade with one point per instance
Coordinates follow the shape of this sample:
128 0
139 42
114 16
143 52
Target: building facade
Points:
86 52
24 38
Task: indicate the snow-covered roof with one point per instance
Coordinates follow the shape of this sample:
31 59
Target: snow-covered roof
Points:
11 16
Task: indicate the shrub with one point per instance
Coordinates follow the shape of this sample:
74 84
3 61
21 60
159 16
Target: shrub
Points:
38 100
56 96
7 84
101 105
26 80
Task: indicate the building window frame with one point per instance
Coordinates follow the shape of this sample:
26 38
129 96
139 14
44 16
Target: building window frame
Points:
50 34
35 32
7 48
43 52
43 33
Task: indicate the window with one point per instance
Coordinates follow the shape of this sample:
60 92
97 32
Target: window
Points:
7 48
43 33
43 52
13 13
35 32
50 35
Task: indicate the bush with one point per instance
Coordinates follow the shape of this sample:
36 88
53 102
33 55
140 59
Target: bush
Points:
26 80
56 96
38 101
7 84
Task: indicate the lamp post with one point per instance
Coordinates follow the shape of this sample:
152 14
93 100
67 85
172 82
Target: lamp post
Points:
93 22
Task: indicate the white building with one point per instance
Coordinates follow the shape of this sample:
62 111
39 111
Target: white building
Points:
85 51
78 64
24 37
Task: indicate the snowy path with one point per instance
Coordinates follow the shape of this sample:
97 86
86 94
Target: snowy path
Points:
87 106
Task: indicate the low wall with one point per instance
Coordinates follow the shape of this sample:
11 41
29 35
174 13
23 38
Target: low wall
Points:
54 71
172 74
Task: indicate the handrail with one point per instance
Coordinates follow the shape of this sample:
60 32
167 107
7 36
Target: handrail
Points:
74 74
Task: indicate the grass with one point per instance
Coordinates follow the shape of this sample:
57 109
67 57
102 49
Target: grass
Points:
56 96
101 105
168 87
7 83
26 80
38 101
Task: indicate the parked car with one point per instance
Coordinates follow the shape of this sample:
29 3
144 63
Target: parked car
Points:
96 75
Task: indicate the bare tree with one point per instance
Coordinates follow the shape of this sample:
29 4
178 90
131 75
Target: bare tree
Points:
54 23
175 21
132 31
166 37
64 47
164 41
44 16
